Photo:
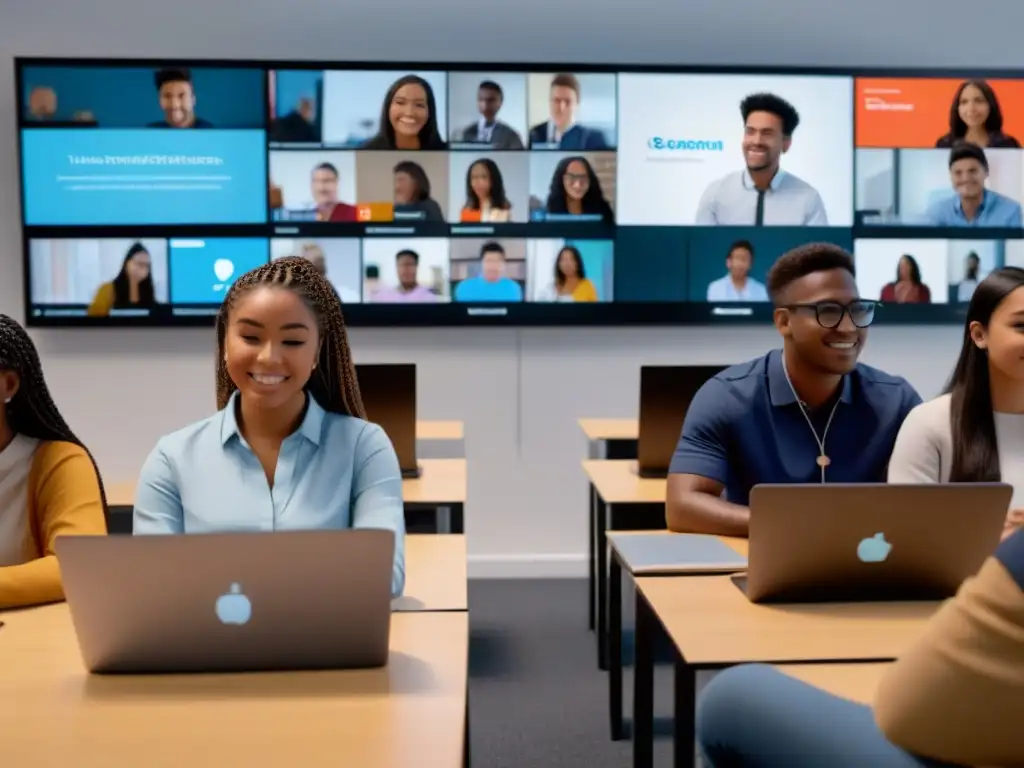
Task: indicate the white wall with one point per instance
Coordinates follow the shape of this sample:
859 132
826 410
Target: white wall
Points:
519 392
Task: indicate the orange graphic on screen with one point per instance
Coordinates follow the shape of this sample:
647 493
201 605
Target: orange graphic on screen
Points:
913 113
368 212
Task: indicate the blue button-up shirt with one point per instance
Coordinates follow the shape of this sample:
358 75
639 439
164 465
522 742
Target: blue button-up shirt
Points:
995 211
745 427
333 472
788 202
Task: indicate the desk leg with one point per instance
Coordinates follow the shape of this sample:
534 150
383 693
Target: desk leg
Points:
466 762
604 513
683 730
457 518
615 646
591 554
643 684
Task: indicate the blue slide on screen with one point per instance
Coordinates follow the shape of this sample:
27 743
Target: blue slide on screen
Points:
153 176
203 269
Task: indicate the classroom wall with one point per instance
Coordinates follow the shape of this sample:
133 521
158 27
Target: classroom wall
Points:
519 391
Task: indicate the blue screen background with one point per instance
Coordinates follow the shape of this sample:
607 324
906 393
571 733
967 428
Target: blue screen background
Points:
194 279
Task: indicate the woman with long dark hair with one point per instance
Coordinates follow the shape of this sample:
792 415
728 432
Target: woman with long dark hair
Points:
49 483
485 193
571 283
576 191
131 289
412 192
975 431
907 288
975 117
408 117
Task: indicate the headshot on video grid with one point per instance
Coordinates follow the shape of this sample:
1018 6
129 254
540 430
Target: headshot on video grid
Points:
72 271
296 98
355 101
569 271
172 97
413 180
407 270
906 271
336 258
556 177
572 112
914 186
488 269
489 186
685 151
312 186
487 108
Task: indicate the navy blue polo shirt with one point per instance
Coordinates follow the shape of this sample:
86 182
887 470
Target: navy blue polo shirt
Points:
745 427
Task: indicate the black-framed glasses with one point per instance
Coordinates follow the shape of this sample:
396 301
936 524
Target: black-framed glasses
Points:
830 313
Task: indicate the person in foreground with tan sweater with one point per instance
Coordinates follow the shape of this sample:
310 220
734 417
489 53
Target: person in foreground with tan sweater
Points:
956 697
49 484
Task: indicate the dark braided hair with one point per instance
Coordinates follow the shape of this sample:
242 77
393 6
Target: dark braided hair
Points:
333 384
32 411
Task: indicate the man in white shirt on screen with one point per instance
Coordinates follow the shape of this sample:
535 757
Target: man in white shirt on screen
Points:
762 194
738 285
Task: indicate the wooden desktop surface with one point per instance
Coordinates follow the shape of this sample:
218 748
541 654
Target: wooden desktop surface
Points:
435 574
610 429
856 682
734 543
439 430
442 481
712 623
617 482
53 714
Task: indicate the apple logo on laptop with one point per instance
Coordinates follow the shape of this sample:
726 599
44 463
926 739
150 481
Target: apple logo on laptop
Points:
233 607
874 549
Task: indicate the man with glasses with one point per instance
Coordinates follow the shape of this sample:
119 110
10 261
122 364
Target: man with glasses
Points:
807 413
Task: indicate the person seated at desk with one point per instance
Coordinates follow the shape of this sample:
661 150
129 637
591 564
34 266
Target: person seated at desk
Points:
290 448
983 405
808 413
954 697
49 483
972 204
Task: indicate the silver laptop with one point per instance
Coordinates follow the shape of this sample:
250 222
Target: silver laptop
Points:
230 602
837 543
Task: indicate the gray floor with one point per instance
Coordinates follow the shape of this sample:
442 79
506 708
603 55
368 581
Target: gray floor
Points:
537 697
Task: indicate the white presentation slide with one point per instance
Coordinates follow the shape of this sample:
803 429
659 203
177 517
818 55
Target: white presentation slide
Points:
680 133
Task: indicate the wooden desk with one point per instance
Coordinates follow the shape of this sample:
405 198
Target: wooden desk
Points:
856 682
712 625
380 718
601 430
441 485
619 499
439 430
435 574
613 632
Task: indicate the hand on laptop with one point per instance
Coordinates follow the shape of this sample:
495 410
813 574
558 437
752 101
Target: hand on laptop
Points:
1014 520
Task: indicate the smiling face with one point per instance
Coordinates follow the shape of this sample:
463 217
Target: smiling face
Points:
138 267
973 107
564 101
567 264
763 142
492 266
178 101
738 263
271 346
827 350
408 112
576 180
968 178
480 180
1003 339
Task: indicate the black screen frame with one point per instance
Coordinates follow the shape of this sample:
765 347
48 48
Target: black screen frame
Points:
525 314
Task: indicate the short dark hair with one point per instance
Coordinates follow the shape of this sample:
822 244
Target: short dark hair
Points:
744 244
490 85
411 254
964 150
773 105
806 260
565 80
492 246
327 167
177 75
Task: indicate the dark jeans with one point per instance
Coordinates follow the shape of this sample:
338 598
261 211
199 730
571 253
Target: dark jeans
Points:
754 715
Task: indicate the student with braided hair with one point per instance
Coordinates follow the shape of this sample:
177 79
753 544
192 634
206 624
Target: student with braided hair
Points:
49 484
289 447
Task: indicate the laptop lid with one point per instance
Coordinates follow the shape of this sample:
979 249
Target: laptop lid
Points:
840 542
665 396
389 397
227 602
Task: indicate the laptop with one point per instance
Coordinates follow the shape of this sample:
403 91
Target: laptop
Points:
389 397
230 602
857 542
665 396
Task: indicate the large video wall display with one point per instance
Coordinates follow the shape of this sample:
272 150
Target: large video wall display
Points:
479 195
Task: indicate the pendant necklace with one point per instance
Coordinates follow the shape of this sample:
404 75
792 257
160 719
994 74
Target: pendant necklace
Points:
823 459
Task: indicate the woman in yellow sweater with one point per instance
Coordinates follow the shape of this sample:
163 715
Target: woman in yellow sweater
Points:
571 283
49 484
